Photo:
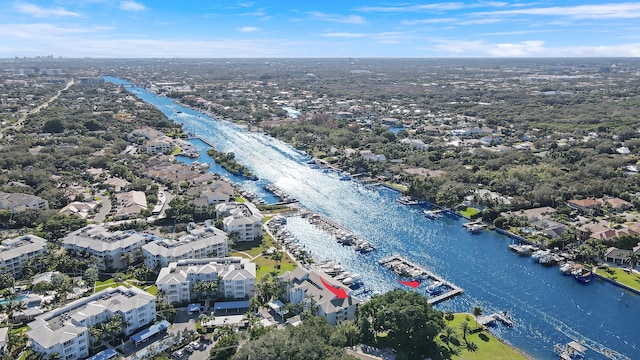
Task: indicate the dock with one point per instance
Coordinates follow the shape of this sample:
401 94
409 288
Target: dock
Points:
502 317
280 194
401 266
407 200
475 227
342 235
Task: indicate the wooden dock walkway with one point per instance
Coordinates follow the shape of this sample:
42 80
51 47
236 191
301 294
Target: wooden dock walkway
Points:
501 317
401 266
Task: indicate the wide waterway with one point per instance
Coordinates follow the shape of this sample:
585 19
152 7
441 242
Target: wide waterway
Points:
547 307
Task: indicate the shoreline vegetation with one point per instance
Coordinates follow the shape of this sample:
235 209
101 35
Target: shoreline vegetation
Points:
488 345
229 163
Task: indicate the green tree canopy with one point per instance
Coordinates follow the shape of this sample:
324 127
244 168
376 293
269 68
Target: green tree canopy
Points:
309 341
402 320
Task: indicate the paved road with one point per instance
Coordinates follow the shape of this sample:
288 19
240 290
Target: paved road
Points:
35 110
104 209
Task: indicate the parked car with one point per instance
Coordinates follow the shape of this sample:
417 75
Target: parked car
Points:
205 338
178 354
188 349
195 345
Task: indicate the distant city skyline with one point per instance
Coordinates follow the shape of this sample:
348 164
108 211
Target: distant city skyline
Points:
265 29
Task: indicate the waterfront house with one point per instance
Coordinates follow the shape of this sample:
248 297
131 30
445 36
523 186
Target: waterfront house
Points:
617 256
236 277
65 330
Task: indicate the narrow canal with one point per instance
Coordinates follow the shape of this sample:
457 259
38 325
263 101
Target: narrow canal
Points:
547 307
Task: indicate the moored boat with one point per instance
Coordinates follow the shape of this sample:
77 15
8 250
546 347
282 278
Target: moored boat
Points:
432 214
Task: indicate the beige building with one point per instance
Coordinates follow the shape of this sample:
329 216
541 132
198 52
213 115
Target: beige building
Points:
241 218
236 277
304 286
65 330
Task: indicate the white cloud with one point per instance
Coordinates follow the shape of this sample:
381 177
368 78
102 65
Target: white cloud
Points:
43 30
481 48
347 19
415 8
347 35
247 29
429 21
40 12
531 48
131 5
435 7
603 11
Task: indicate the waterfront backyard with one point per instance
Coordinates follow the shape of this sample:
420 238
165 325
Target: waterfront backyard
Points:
623 276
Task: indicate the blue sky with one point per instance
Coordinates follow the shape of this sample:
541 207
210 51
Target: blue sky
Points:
185 28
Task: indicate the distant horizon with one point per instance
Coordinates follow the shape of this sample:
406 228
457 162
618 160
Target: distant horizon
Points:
331 29
46 57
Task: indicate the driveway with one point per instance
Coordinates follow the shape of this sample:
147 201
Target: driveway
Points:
104 209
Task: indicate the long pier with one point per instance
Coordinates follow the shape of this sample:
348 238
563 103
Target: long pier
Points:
401 266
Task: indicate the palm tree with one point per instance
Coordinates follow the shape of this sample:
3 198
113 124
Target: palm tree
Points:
349 330
118 278
472 347
633 260
127 259
477 311
277 257
448 335
464 326
96 333
449 316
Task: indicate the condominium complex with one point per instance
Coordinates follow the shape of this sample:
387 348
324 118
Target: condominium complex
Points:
243 219
199 244
65 330
108 246
236 278
14 252
310 286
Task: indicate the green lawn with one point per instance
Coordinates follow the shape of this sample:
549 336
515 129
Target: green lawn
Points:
489 347
266 265
399 187
469 212
153 290
630 279
101 285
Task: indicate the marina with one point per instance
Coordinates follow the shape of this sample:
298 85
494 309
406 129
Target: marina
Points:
280 194
550 309
343 235
439 289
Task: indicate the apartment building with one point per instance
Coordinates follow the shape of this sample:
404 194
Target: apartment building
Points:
14 252
241 218
236 278
106 245
65 330
198 244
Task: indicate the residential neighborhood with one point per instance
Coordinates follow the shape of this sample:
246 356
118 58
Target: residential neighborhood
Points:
119 239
